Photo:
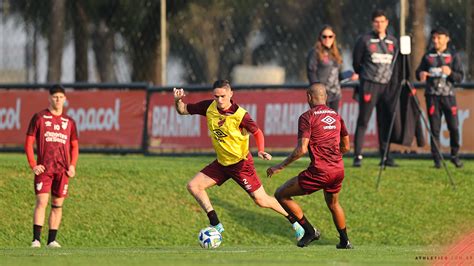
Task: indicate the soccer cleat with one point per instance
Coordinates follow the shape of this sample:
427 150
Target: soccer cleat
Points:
455 160
344 245
35 244
299 231
308 238
437 164
54 244
357 161
219 227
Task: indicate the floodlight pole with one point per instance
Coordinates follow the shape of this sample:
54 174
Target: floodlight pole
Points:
163 55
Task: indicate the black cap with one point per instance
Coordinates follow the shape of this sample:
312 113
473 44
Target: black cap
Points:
440 30
56 88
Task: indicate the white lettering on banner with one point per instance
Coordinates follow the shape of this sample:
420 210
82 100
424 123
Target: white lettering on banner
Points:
282 118
349 113
251 109
100 119
166 122
10 117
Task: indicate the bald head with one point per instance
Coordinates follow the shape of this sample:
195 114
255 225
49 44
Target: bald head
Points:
317 94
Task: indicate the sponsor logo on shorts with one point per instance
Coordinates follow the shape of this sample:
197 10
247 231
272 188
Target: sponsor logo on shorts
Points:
39 186
65 189
329 120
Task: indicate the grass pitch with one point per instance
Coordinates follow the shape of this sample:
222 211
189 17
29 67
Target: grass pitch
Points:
135 210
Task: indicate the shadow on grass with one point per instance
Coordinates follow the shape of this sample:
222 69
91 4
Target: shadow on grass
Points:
269 223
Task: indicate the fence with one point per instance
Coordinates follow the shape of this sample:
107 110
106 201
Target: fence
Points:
137 118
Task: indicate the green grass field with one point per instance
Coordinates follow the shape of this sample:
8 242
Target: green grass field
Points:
135 210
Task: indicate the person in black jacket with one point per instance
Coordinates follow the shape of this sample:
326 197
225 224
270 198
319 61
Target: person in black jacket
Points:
373 59
441 67
324 64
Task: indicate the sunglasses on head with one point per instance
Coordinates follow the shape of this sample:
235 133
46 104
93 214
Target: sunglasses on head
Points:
327 36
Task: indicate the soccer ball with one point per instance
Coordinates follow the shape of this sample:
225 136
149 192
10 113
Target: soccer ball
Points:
209 237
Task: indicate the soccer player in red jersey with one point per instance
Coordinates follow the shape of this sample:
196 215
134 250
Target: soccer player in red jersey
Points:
229 125
322 132
57 153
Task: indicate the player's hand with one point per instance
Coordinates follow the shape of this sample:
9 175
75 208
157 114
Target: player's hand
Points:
424 75
274 170
264 155
178 94
355 76
446 70
72 171
39 169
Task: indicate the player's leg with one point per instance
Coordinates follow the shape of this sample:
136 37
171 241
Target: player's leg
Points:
284 196
38 218
262 199
197 187
450 113
367 100
434 117
55 220
332 201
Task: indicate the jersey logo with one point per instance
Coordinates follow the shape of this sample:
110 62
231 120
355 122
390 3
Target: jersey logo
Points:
39 186
329 120
48 116
219 133
48 123
64 124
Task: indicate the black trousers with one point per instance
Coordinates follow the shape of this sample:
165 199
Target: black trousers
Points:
438 106
380 96
334 104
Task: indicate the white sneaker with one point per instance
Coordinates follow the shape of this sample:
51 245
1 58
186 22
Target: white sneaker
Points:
35 244
54 244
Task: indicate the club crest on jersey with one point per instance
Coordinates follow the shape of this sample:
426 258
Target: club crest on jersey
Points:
221 121
329 120
39 186
64 124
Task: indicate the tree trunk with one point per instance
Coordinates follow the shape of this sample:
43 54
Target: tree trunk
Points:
56 40
103 45
81 42
418 13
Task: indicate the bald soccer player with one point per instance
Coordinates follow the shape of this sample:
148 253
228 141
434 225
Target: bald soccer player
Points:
322 132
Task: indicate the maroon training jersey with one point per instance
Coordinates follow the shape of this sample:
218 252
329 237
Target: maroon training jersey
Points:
324 129
53 140
200 108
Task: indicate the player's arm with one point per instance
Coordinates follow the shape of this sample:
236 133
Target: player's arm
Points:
74 157
252 127
311 66
300 150
422 71
178 101
457 72
358 55
345 145
30 140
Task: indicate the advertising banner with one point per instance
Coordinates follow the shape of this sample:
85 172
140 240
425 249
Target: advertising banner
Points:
104 118
276 112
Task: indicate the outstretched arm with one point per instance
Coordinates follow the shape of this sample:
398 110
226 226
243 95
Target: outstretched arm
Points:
178 102
260 140
300 150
